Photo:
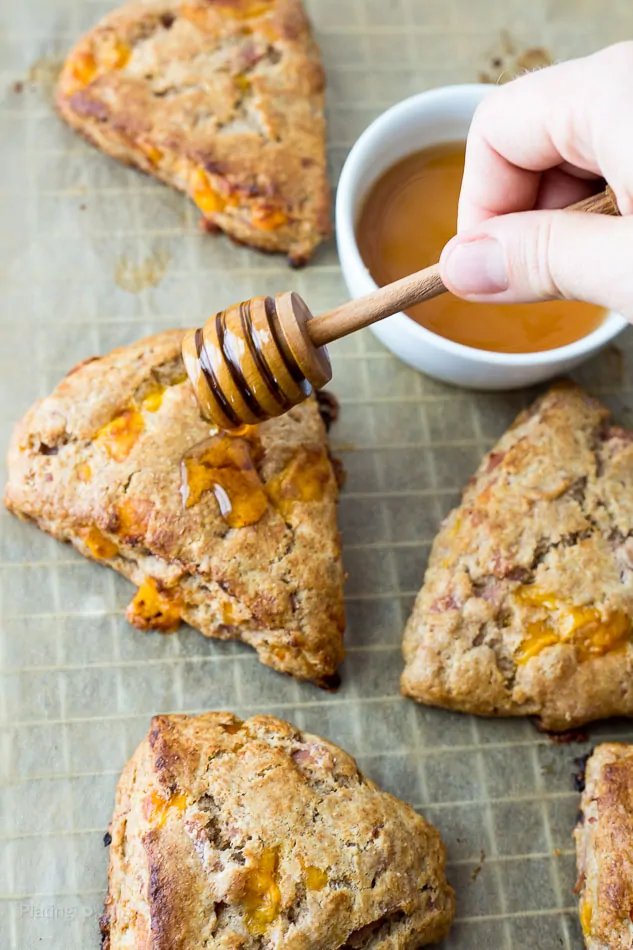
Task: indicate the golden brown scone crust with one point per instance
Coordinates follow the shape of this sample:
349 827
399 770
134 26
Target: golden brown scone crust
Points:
275 583
604 845
222 99
527 601
256 835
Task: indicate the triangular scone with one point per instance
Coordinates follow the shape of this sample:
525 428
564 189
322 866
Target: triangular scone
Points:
119 461
604 848
527 601
231 835
222 99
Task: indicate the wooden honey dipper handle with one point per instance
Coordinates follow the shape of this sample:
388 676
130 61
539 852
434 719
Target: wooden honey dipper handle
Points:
258 359
404 293
381 303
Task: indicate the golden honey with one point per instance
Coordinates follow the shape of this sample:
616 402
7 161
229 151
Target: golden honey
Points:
584 628
250 433
409 215
224 465
262 897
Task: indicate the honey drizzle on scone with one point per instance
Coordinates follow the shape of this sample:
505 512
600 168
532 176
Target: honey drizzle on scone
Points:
281 576
226 465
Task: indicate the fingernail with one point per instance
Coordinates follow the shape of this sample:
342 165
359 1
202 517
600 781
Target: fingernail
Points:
477 267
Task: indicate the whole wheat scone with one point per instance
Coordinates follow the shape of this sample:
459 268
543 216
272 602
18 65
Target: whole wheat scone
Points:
222 99
237 535
528 597
604 845
253 835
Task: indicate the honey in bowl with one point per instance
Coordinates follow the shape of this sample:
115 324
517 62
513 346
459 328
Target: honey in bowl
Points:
409 215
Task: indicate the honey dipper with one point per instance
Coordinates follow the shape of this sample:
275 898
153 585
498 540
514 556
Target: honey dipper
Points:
260 358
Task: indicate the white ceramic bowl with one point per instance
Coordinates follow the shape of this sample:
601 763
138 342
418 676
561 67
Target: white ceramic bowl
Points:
430 118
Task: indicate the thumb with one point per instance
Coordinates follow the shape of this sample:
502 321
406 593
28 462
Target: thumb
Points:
535 255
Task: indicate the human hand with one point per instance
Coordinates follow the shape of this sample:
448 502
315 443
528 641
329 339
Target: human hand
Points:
540 143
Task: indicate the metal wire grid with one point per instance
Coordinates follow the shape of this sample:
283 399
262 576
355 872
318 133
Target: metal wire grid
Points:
79 685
